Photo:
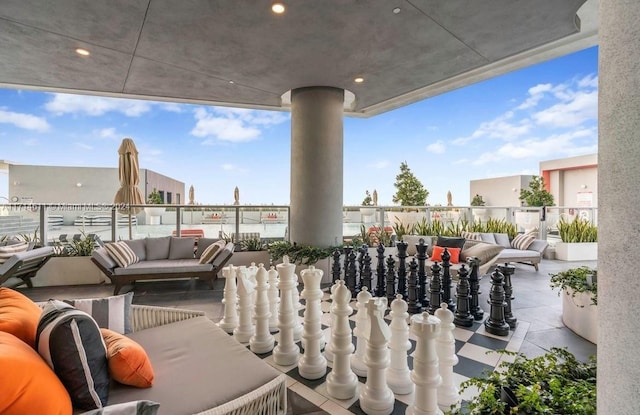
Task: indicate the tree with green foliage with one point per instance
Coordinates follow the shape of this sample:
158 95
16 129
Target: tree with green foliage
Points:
536 194
410 191
368 201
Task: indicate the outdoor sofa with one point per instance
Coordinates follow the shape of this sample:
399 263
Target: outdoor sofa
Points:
23 265
531 255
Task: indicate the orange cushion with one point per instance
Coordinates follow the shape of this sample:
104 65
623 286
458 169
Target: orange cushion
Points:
29 386
128 362
439 250
19 315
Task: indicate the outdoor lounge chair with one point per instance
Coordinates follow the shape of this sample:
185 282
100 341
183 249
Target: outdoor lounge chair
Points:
24 266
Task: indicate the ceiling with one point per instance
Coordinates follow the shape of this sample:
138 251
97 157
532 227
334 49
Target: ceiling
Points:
238 53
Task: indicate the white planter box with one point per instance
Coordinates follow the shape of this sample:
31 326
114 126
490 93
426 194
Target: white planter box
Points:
584 251
69 271
154 215
583 321
245 258
407 219
367 212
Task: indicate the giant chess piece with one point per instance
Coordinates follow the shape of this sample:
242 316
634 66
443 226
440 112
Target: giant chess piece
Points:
286 353
380 272
391 279
230 318
328 353
336 270
262 341
364 248
295 299
463 315
398 374
447 285
448 393
274 298
365 275
251 273
341 382
376 398
402 268
312 365
421 256
346 251
435 290
245 328
508 270
352 274
474 284
361 331
425 366
414 305
496 323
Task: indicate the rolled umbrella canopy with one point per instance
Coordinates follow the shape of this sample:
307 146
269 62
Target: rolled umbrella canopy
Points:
192 196
129 174
375 197
236 196
449 198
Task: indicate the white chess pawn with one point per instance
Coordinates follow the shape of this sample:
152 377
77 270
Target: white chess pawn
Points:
425 366
312 364
251 273
262 341
328 353
230 318
398 374
286 353
448 393
274 299
376 398
360 331
245 328
341 382
295 299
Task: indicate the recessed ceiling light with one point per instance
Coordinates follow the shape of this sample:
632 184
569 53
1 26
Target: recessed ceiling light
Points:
231 82
396 10
358 80
82 52
278 8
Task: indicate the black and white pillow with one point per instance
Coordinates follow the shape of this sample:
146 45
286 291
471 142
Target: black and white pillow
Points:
121 253
70 341
113 313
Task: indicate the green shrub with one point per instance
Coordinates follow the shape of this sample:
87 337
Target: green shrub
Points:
580 280
578 230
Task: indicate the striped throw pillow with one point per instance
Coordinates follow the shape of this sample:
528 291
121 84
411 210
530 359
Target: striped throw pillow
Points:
121 253
522 241
209 254
113 313
8 251
473 236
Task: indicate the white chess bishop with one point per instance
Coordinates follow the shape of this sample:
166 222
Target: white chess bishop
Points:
230 317
245 328
262 341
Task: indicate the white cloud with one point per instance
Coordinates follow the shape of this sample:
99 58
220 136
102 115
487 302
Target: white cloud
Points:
84 146
31 142
171 107
582 106
62 104
107 133
438 147
502 127
233 124
24 121
229 166
381 164
536 93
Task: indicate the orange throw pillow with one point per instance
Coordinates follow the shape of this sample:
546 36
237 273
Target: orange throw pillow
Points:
29 385
128 362
19 315
439 250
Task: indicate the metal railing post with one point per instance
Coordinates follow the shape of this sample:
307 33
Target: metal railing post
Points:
114 222
178 221
43 225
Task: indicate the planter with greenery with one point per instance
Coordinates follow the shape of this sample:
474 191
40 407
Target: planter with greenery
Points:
535 196
251 250
579 240
367 210
478 201
154 213
438 228
71 265
579 290
303 256
554 383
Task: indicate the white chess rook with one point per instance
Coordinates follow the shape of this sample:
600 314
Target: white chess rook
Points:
286 353
295 299
274 299
360 331
448 393
341 382
425 366
262 341
398 374
376 398
312 364
245 328
230 318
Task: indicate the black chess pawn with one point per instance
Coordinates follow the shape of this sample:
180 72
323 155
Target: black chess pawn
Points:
435 289
380 272
402 269
474 285
412 288
508 270
447 285
496 323
421 256
336 270
365 274
351 274
463 315
391 279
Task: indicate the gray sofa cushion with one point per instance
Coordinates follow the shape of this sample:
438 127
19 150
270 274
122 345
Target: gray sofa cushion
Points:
163 266
203 243
521 254
158 248
502 239
483 251
197 365
181 248
139 247
412 241
488 238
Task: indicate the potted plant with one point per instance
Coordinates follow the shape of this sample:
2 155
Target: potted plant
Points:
579 240
535 196
409 192
71 264
478 201
303 256
251 250
155 213
554 383
368 210
579 290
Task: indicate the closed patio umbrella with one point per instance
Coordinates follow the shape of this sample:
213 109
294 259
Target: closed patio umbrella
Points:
192 196
129 174
375 197
236 196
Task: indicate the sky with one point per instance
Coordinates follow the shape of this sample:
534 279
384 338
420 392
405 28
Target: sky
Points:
499 127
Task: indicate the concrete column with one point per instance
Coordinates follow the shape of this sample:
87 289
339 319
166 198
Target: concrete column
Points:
316 166
619 208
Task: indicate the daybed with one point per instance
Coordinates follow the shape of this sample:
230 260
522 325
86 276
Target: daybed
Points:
532 255
24 265
163 258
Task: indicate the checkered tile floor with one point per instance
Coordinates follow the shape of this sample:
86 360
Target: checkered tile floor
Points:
473 348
